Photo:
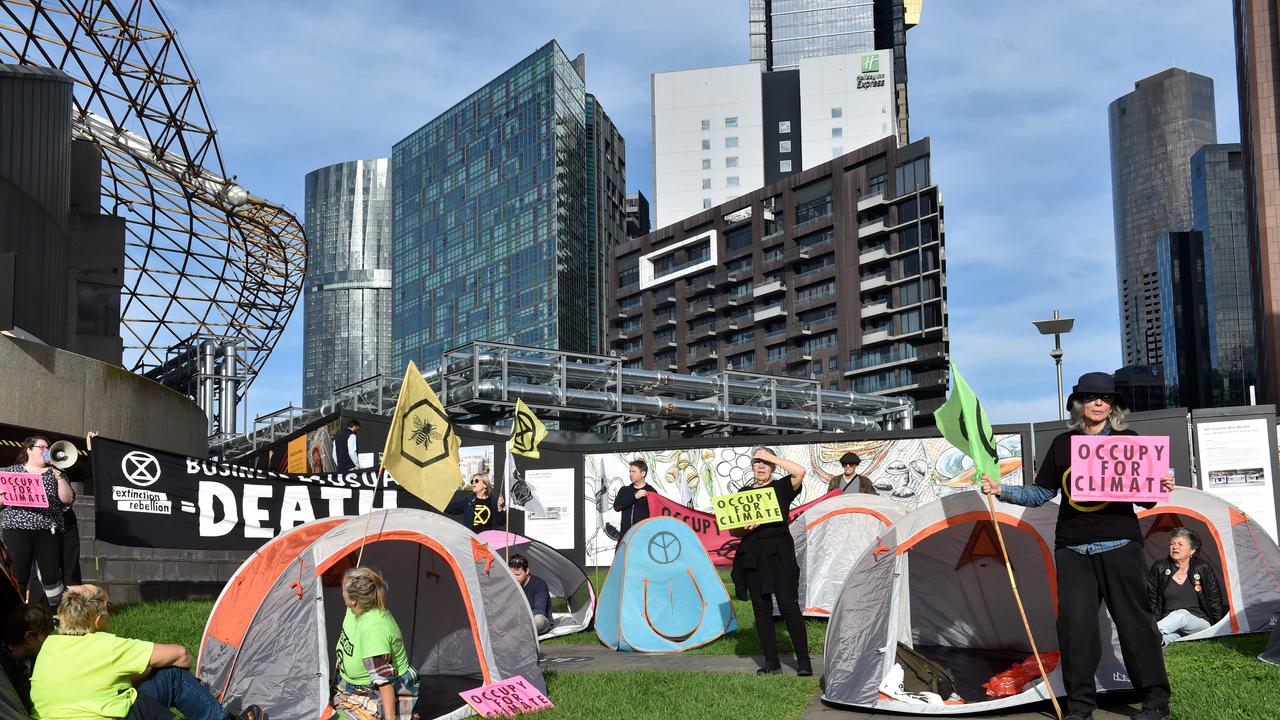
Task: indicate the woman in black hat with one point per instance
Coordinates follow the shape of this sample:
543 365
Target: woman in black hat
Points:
1099 558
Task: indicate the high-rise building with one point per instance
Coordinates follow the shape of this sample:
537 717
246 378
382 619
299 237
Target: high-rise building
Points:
1257 57
606 210
1154 131
836 273
347 287
722 132
637 211
1184 302
492 230
781 33
1218 214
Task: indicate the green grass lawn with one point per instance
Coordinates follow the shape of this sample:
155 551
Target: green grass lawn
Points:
1219 679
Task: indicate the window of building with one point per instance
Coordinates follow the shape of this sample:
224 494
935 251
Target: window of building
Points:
784 127
629 276
933 315
706 144
706 203
742 263
837 112
813 209
731 142
706 124
784 166
775 352
837 132
731 122
738 238
909 321
784 146
731 161
706 183
837 151
706 163
875 185
731 181
740 362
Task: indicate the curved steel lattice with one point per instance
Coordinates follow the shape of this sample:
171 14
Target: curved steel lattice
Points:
202 256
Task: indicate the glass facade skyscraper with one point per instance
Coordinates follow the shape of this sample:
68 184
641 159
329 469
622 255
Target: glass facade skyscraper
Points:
347 287
491 217
1154 131
606 210
1218 213
1180 264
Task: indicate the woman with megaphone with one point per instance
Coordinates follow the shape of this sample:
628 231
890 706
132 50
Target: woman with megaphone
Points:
35 532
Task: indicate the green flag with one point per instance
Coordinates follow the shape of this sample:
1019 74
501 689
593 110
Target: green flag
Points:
964 425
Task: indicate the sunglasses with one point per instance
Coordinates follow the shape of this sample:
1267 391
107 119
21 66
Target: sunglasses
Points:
1104 397
477 482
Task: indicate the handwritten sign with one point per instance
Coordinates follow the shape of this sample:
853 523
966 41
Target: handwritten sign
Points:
23 490
1124 468
506 698
746 508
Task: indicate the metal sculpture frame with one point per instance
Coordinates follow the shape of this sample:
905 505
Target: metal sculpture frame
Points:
203 257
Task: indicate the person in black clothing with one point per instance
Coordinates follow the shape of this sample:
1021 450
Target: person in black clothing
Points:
1183 588
344 447
764 566
479 512
849 479
1099 559
630 500
535 591
21 636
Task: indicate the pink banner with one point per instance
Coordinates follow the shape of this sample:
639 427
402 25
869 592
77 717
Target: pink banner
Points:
1125 468
23 490
506 698
719 545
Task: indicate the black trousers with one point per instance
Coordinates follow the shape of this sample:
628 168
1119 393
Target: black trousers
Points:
44 547
789 606
1118 578
69 548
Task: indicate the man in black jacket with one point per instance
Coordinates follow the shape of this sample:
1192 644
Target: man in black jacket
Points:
630 500
344 447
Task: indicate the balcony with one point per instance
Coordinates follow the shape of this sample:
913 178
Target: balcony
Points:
799 253
627 311
726 325
871 229
770 312
873 309
631 331
871 282
795 356
703 330
703 352
664 319
870 202
693 287
875 252
732 276
874 336
731 300
768 288
663 297
700 308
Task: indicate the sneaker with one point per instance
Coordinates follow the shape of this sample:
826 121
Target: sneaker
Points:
252 712
769 670
1152 713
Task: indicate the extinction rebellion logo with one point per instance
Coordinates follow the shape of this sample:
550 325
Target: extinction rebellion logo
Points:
870 75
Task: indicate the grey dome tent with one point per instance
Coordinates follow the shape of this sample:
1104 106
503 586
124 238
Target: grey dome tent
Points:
565 580
830 537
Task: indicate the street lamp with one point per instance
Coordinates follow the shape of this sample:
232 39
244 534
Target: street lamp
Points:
1057 327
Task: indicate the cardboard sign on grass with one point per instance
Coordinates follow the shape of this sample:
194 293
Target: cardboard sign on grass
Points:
753 507
506 698
23 490
1124 468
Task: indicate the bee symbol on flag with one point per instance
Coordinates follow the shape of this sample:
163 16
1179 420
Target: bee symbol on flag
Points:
424 432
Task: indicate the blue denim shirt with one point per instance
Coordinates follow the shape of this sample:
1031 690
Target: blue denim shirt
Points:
1035 496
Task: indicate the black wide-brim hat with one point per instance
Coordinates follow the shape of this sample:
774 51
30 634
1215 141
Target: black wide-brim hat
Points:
1097 383
850 458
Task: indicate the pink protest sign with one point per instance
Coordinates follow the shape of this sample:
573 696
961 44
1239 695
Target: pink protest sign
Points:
506 698
23 490
1125 468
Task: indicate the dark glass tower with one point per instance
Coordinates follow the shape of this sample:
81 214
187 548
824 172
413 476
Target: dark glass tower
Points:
1218 214
1154 131
491 217
1180 263
347 287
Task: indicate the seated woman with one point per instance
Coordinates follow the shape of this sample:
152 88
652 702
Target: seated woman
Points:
373 667
1183 588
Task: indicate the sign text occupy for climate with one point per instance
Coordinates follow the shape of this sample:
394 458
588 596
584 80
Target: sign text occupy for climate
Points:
23 490
506 698
1125 468
753 507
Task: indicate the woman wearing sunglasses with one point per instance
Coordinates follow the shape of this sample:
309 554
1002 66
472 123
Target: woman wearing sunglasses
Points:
36 532
479 512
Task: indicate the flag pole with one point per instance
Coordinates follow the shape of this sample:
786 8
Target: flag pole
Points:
369 520
1026 625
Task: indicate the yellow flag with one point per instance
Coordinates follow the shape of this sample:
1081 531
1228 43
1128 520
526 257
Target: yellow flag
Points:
422 450
527 432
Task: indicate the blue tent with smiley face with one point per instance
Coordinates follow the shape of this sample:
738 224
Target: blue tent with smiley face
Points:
662 593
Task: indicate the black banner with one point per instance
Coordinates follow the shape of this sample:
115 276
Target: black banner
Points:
146 498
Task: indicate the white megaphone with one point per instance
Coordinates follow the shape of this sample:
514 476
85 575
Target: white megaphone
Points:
63 454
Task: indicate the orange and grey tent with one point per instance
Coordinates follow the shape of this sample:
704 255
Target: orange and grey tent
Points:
830 537
270 639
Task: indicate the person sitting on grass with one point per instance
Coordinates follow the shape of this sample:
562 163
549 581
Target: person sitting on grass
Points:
1183 589
535 591
373 667
86 672
23 633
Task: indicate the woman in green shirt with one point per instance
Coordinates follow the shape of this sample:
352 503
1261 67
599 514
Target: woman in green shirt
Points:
373 667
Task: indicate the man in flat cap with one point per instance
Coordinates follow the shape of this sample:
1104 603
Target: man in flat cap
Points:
850 480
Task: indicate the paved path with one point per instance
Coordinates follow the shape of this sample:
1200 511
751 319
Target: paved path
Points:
597 658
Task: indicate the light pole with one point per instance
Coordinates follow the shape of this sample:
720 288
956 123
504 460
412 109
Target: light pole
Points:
1057 327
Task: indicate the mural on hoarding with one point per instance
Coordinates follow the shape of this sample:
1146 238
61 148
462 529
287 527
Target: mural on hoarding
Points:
912 471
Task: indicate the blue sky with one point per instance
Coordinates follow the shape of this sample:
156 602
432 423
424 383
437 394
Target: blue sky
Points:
1013 94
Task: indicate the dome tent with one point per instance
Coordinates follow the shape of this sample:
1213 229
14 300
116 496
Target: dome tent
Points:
270 638
564 579
830 537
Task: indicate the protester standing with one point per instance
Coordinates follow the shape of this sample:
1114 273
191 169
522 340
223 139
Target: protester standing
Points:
480 512
1099 558
630 500
849 479
344 447
34 532
764 565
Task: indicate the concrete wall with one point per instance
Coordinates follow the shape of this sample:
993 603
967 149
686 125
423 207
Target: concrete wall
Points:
56 391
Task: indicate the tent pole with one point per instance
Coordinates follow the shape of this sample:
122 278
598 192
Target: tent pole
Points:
1026 625
369 520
